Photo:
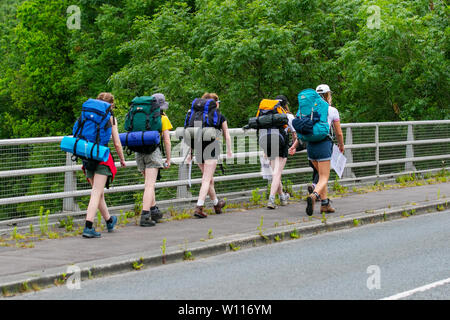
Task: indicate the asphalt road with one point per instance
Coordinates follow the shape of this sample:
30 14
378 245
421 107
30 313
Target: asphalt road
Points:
368 262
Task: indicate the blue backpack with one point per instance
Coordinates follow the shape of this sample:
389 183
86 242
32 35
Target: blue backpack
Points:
204 111
311 123
93 125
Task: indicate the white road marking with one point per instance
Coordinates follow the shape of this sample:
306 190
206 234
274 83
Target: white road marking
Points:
420 289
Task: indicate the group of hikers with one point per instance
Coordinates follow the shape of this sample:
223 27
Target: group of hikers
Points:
274 123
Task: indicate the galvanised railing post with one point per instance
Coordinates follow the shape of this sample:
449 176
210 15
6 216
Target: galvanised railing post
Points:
377 150
348 173
409 166
183 173
70 185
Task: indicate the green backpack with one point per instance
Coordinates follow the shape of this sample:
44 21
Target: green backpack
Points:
144 115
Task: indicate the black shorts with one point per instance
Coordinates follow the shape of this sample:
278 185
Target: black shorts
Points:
210 151
274 143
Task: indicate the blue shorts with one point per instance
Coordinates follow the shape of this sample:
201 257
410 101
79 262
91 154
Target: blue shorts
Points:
320 151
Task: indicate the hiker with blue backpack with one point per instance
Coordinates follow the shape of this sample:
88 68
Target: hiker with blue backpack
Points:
316 122
91 134
206 116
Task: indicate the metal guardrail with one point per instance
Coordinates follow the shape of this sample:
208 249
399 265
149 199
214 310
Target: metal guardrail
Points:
46 176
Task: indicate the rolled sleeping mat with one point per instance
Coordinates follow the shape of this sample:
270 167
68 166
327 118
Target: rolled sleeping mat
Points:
139 138
268 121
85 149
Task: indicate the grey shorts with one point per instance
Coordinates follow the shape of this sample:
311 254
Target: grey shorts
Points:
148 161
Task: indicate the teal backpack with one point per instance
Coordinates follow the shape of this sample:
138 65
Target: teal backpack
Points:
311 123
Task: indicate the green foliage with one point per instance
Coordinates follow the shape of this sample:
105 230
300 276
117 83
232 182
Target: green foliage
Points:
294 234
43 221
256 197
244 50
400 71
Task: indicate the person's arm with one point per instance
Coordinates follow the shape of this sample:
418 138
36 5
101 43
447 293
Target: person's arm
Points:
226 135
167 147
293 148
339 135
117 143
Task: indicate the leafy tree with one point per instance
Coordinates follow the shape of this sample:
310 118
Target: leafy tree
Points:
38 85
399 71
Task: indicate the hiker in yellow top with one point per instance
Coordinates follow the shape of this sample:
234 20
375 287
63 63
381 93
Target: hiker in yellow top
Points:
150 164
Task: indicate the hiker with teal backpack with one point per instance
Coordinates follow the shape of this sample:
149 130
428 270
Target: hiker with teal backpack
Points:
146 118
96 125
316 122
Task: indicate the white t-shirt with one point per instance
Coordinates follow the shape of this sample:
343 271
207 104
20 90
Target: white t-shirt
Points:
333 115
290 118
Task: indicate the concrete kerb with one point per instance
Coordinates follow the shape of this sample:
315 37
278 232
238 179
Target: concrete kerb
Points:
88 270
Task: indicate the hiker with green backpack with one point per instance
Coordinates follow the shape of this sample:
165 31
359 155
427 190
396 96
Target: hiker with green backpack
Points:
316 122
147 115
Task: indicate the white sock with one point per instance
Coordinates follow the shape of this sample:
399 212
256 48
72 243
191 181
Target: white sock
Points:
215 201
272 199
200 203
283 196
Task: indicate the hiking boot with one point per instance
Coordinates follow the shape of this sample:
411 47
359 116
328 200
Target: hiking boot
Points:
146 220
219 206
91 233
199 212
110 226
156 214
327 208
310 200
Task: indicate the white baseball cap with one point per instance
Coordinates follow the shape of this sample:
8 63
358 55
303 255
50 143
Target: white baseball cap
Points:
323 88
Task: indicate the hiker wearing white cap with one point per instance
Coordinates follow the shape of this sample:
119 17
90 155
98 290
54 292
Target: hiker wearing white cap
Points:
319 153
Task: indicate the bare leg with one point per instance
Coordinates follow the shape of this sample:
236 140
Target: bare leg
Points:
209 167
324 174
277 166
98 185
211 190
149 192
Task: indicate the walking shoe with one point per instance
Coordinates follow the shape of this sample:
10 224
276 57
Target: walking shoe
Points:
327 208
110 226
311 200
199 212
284 199
146 220
156 214
91 233
310 189
219 206
271 205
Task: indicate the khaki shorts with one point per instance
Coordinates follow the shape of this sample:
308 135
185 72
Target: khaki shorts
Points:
148 161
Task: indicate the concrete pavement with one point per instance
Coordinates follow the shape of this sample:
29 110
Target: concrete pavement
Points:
47 263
